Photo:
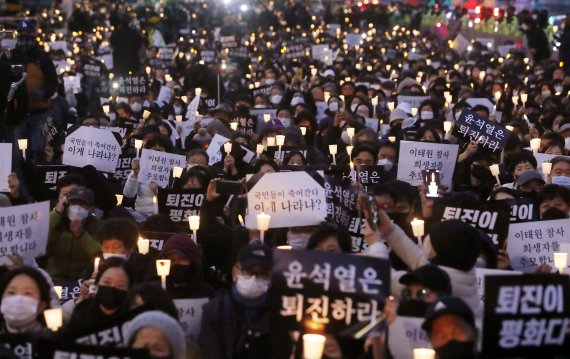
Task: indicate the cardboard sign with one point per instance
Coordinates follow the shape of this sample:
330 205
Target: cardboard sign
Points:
20 345
50 130
404 335
523 210
414 101
70 288
339 292
488 134
5 165
526 316
482 273
131 85
418 156
92 71
92 146
491 217
533 243
190 315
179 204
24 229
156 166
288 197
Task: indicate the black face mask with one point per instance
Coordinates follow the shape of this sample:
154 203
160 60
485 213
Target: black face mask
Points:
110 297
242 110
412 308
480 172
455 349
181 274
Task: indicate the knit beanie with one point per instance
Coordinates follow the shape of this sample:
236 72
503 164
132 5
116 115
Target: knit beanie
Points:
167 325
456 244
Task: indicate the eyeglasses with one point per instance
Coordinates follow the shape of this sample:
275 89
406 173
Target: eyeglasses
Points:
421 295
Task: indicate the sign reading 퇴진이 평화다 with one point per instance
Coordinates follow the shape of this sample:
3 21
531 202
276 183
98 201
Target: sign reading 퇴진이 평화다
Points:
92 146
488 134
5 165
490 217
190 315
156 166
526 316
24 230
288 197
533 243
179 204
338 292
418 156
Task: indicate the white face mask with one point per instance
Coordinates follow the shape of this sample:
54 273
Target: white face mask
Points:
545 94
297 100
250 287
344 137
276 99
177 110
117 255
136 106
567 143
19 310
298 240
558 88
426 115
77 213
269 82
561 181
146 104
386 163
286 122
333 106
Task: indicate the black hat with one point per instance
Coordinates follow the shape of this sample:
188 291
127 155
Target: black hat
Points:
448 305
431 277
81 193
256 255
456 244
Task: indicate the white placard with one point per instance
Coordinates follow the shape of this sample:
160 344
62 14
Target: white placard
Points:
481 273
414 101
92 146
156 166
405 334
504 49
24 229
485 41
533 243
353 40
290 198
190 315
164 95
372 123
214 149
460 44
5 165
72 84
417 156
543 157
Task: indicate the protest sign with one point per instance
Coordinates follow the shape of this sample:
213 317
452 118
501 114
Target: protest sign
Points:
526 316
92 146
491 217
215 150
93 70
505 49
49 129
46 177
533 243
295 51
164 95
247 125
5 165
368 176
416 156
405 334
124 167
475 101
460 44
523 210
24 230
208 55
157 239
228 42
131 85
339 292
353 40
488 134
72 84
58 349
414 101
20 345
190 315
239 52
156 166
166 53
179 204
71 288
288 197
273 152
482 273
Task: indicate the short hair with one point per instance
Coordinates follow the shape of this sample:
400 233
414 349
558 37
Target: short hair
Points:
552 191
69 179
293 153
198 151
365 147
522 157
40 280
558 159
263 161
153 297
160 140
116 262
123 229
327 229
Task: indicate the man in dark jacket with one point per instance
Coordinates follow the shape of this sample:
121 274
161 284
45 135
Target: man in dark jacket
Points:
126 43
236 323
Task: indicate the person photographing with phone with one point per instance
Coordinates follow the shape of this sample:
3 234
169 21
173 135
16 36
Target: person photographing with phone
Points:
71 243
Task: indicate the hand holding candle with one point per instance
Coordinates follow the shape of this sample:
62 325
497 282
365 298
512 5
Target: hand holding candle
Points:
333 151
560 261
194 223
495 172
138 146
418 229
23 145
143 245
53 318
163 270
263 224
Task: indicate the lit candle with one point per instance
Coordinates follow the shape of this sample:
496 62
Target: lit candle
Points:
53 318
58 290
184 99
119 199
148 70
240 219
535 144
263 224
106 109
270 141
546 167
280 140
163 270
524 97
327 96
143 245
509 127
178 118
447 125
194 223
303 130
495 172
96 265
259 149
392 138
23 145
391 105
155 204
350 133
349 151
146 114
198 92
515 99
138 146
424 353
414 111
234 126
285 247
228 147
418 229
482 75
266 117
332 151
313 346
168 78
177 172
560 261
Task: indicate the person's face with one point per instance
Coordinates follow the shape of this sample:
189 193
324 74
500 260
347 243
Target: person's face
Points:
163 130
63 191
554 150
403 207
22 285
503 195
197 159
448 327
363 111
154 341
266 169
330 244
522 168
159 148
385 201
420 292
556 202
115 277
177 257
560 169
428 136
295 160
192 183
113 245
364 158
532 186
387 153
257 271
482 114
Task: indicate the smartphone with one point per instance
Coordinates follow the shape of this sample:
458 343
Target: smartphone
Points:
432 182
229 187
369 210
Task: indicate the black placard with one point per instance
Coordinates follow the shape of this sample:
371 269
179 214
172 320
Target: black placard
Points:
131 85
179 204
488 134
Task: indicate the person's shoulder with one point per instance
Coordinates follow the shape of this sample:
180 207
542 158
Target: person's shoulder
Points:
220 301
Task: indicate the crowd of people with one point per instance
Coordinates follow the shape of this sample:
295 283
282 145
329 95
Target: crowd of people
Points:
259 71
